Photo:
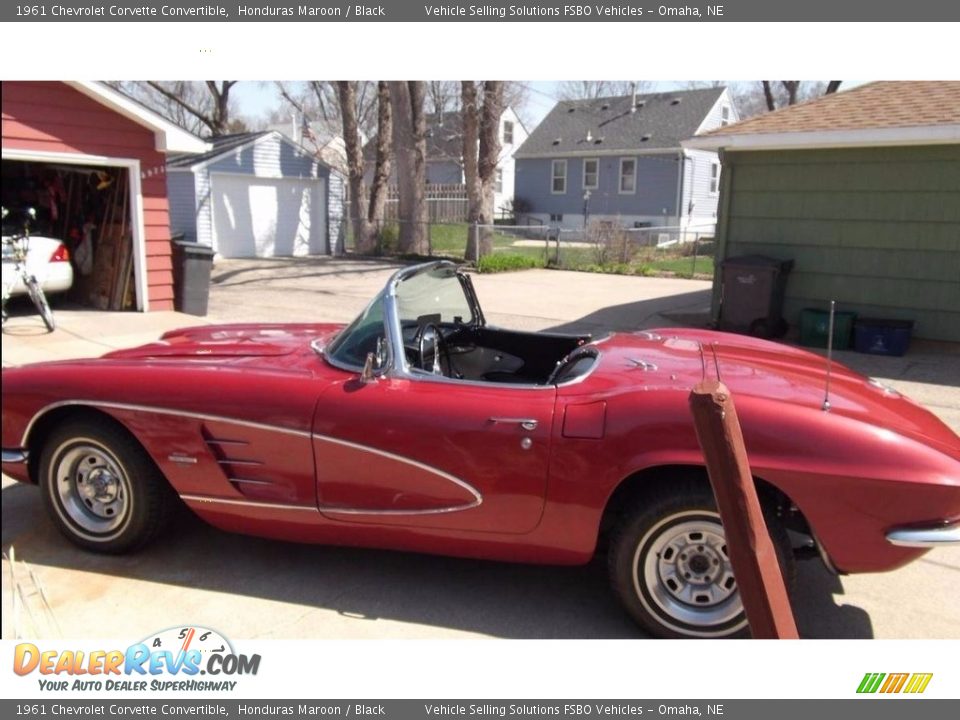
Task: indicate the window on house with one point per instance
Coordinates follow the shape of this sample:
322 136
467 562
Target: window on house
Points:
556 217
628 175
724 115
507 132
498 183
558 185
591 173
714 177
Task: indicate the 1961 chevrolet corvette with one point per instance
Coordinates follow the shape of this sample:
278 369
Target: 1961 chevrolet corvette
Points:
420 427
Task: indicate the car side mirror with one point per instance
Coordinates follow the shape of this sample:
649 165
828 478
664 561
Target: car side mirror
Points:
366 375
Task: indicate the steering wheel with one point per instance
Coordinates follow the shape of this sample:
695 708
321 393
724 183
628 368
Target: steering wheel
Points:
430 348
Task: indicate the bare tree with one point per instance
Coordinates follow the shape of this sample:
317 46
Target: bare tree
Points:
592 89
781 93
365 212
320 100
203 108
481 151
410 150
442 96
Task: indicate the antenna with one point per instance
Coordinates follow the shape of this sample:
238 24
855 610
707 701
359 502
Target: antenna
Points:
826 393
716 363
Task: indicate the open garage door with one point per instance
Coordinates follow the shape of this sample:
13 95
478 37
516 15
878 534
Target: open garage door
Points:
264 217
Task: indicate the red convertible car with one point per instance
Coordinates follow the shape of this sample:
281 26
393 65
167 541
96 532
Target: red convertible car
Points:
421 427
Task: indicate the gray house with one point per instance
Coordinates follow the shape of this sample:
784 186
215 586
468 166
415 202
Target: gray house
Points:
861 189
619 160
445 153
256 195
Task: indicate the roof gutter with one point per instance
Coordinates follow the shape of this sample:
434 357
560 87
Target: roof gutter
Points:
874 137
621 152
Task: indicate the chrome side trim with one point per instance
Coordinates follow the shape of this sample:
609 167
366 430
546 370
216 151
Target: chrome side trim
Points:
182 459
159 411
925 537
477 497
239 462
336 510
226 442
15 456
206 499
247 481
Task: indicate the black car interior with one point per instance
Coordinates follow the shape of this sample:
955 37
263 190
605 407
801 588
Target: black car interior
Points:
469 352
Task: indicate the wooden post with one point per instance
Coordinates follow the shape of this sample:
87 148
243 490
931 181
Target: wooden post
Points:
751 551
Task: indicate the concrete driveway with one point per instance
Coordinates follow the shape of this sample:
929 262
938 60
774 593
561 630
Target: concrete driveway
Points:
247 587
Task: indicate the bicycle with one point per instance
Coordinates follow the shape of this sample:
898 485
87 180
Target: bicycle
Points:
15 250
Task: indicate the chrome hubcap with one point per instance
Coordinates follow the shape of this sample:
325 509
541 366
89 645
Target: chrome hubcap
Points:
686 574
92 488
693 565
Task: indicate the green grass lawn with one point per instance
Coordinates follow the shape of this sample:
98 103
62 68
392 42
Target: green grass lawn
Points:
450 240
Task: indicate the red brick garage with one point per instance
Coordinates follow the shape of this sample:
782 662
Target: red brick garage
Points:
86 124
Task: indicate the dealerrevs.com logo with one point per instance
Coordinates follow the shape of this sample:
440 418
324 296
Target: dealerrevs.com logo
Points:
173 660
888 683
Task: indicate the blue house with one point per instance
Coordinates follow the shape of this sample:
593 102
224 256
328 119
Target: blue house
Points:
619 160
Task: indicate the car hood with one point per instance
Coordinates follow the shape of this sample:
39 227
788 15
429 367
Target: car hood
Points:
236 343
678 358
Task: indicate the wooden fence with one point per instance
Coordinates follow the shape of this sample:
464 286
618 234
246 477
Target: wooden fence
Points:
446 203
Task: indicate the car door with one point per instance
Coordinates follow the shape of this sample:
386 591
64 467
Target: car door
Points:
434 453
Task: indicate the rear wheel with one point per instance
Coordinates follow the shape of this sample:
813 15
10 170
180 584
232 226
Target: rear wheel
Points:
671 569
100 487
40 301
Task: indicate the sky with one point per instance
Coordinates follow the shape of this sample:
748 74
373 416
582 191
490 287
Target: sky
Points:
257 98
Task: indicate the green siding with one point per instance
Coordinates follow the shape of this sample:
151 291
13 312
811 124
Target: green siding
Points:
877 230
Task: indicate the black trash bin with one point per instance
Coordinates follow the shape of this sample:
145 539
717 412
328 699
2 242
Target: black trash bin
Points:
191 276
752 295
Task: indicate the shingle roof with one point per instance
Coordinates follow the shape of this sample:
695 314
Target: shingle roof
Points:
219 145
444 137
661 120
875 106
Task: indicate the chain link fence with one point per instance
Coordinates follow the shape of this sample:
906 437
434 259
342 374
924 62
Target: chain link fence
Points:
599 247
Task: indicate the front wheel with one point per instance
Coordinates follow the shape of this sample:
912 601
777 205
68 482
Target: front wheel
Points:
40 301
100 487
671 569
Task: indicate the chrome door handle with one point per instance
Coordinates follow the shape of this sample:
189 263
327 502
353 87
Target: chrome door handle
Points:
525 423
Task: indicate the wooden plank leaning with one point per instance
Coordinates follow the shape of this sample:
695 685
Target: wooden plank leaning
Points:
751 550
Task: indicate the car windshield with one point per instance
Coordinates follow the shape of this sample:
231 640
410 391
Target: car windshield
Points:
364 335
434 294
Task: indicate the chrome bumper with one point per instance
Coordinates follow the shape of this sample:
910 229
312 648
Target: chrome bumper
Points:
15 456
926 537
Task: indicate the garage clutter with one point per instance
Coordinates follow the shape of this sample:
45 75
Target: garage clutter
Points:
88 208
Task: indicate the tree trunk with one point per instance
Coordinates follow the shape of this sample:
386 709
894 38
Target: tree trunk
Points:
381 171
363 238
481 151
471 174
410 148
791 86
489 156
832 87
768 96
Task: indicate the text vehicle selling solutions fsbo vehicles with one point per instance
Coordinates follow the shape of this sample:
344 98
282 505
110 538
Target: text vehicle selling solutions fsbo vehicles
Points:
420 427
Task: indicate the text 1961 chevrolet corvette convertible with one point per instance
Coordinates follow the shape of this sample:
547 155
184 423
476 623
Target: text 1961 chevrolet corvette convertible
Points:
420 427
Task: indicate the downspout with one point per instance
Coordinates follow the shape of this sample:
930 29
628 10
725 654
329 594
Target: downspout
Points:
723 228
681 161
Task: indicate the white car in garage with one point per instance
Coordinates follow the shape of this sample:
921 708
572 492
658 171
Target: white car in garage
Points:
47 259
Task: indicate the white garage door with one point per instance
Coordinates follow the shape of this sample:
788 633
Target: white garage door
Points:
263 217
